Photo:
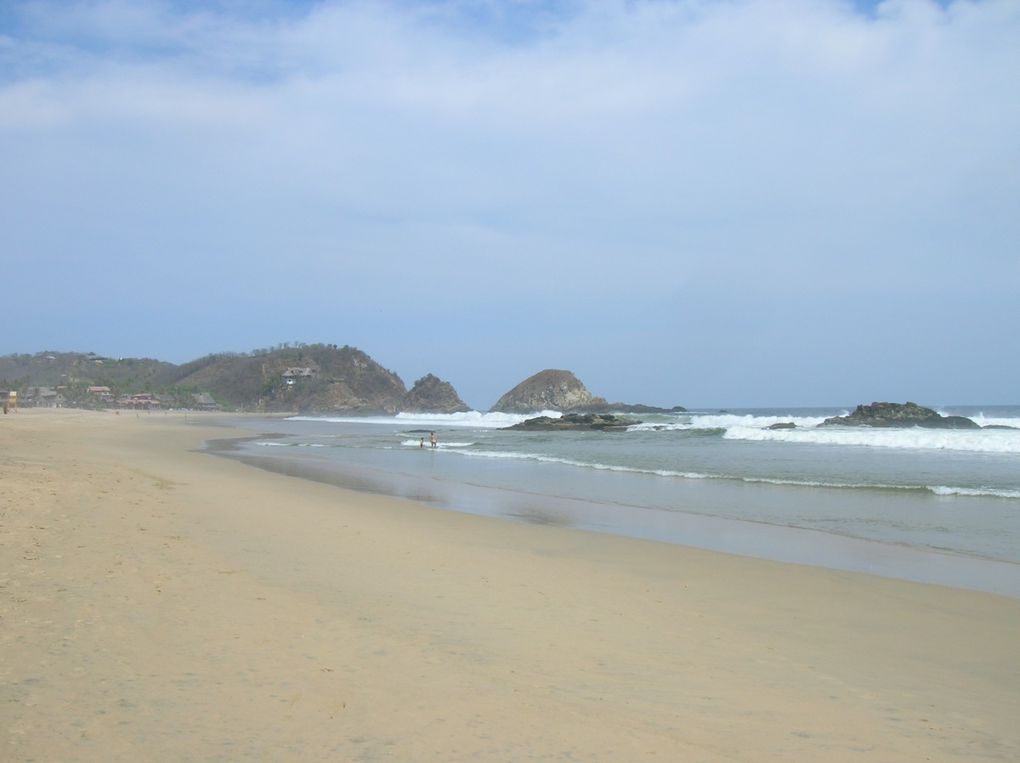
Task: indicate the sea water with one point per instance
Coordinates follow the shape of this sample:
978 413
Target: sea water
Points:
934 505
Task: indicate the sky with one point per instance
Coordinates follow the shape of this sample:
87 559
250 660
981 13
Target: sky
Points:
696 202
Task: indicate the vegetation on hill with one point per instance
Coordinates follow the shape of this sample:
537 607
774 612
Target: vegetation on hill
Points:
56 368
298 377
73 373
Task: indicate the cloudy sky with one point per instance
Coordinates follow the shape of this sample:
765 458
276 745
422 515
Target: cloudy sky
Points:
703 202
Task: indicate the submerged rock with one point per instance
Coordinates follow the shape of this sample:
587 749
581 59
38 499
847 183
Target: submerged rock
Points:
899 415
782 425
574 422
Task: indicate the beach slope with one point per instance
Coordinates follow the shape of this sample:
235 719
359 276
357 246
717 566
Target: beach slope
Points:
160 603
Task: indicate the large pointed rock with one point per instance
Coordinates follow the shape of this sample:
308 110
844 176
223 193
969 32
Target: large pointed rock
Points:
430 394
549 390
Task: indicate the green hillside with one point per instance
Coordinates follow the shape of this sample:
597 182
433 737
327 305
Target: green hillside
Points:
319 377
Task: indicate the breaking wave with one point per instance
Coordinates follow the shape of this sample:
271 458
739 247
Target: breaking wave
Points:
440 446
946 490
1003 441
468 419
994 421
942 490
725 421
272 444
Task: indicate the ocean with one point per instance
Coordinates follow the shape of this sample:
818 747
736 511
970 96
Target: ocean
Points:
939 506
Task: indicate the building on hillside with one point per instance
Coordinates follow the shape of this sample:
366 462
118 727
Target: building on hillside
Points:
143 401
44 397
205 402
100 394
291 375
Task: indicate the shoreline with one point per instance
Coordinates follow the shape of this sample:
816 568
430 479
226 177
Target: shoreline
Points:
159 603
753 539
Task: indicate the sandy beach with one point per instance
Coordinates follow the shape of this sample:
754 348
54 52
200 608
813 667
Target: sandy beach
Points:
161 603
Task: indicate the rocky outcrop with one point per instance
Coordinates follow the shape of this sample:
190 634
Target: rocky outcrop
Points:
575 422
430 394
899 415
782 425
549 390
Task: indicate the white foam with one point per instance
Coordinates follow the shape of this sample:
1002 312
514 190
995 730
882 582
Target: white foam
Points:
942 490
974 440
471 419
538 457
999 421
976 491
468 419
440 445
509 454
726 421
266 444
937 489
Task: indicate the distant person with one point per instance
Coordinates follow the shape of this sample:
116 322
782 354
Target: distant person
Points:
433 440
421 443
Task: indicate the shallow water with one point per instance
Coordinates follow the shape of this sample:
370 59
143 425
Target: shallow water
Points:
913 508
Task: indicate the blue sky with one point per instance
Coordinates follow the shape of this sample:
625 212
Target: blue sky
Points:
732 202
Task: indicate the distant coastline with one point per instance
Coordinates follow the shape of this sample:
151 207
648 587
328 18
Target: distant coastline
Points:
294 378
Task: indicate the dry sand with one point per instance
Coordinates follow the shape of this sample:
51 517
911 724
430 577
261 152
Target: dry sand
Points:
163 604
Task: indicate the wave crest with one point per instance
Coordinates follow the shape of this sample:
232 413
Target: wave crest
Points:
979 441
468 419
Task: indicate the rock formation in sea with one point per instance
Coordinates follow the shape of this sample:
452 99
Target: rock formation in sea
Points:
549 390
430 394
899 415
575 421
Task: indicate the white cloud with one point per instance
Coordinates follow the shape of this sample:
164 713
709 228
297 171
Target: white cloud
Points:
782 145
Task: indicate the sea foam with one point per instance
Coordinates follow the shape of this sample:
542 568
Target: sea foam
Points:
440 445
974 440
977 491
999 421
468 419
725 421
942 490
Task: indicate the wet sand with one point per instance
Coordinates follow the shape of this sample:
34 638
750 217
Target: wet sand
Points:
545 496
159 603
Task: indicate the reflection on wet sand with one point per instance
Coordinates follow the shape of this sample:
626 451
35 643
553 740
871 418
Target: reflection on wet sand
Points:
536 515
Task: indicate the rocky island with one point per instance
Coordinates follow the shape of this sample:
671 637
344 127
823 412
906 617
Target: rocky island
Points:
430 394
557 390
899 415
548 390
